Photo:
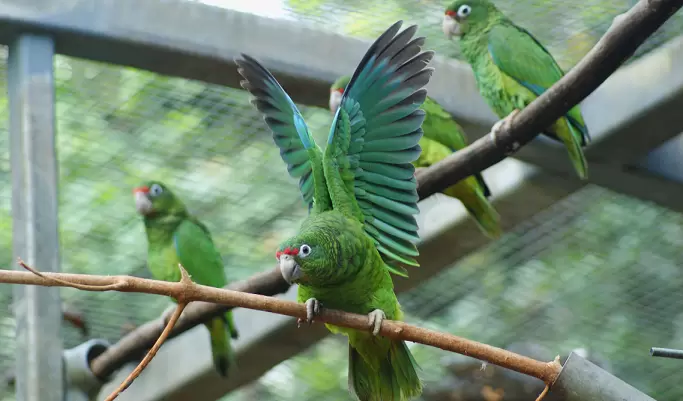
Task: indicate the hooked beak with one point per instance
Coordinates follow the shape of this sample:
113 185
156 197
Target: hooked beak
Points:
142 203
335 100
290 270
450 27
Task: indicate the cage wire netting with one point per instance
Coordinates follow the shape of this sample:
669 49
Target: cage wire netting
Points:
567 29
597 272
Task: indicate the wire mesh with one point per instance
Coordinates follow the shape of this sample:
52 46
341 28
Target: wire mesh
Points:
597 273
567 29
120 126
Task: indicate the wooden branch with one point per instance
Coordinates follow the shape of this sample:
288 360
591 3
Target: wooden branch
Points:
186 292
627 33
133 345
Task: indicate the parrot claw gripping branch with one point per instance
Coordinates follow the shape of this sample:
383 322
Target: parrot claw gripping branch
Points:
362 194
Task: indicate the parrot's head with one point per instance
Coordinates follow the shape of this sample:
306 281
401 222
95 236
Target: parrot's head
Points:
336 92
464 16
155 199
310 257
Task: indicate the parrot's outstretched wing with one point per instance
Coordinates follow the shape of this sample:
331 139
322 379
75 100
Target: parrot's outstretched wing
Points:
198 255
290 133
523 58
374 138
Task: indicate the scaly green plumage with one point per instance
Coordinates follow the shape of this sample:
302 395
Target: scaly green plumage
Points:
443 136
362 198
512 69
174 236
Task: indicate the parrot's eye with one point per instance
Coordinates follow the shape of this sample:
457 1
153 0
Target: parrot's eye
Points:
155 190
304 251
464 11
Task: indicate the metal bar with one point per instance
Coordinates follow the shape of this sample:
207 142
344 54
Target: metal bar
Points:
581 380
34 213
666 352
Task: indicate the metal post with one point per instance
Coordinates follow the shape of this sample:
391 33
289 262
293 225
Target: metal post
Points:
666 352
581 380
34 213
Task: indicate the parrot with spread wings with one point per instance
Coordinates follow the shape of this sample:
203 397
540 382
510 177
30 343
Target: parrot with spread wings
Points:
512 69
362 198
443 136
175 237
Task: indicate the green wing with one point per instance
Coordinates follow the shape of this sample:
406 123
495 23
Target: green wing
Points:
377 129
290 133
197 253
440 127
523 58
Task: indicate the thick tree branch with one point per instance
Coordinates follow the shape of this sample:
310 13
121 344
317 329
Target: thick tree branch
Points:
626 34
186 292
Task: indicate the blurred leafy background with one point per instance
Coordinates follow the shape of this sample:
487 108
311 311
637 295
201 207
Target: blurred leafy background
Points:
598 271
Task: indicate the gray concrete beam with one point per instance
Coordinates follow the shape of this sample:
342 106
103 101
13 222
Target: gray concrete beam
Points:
182 370
35 236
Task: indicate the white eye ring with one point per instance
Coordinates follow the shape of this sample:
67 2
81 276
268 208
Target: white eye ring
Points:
304 251
156 190
464 11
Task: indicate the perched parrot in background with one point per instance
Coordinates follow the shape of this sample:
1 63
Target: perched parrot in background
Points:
362 198
512 69
443 136
175 236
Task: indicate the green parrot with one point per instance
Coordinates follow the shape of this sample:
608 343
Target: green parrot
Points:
443 136
362 198
512 69
175 236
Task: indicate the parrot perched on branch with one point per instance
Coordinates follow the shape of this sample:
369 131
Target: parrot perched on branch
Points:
175 236
443 136
362 197
512 69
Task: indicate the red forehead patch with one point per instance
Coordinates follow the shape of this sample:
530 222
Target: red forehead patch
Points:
144 190
287 251
450 13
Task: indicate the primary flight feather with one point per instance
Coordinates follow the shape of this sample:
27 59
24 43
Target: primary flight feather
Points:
443 136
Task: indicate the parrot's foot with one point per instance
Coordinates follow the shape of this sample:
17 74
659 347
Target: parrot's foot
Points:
504 124
375 320
313 307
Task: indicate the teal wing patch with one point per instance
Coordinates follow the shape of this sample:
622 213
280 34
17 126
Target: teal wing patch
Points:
198 255
523 58
290 132
383 102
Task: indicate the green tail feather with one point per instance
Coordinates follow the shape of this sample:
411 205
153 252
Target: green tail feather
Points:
396 380
221 350
572 142
234 334
479 207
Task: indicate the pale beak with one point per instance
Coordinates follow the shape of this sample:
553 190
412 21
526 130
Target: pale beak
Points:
450 27
142 203
289 269
335 101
